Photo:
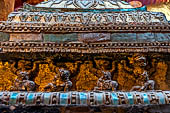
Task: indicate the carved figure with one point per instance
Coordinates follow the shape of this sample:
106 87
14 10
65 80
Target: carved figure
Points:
22 83
148 85
64 75
105 82
130 71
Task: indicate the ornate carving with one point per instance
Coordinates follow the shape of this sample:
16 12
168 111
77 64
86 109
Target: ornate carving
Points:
65 74
97 18
127 69
85 4
110 47
22 83
98 99
148 85
60 28
105 82
79 18
39 21
64 77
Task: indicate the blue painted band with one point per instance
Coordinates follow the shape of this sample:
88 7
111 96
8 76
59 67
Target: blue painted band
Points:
83 98
130 98
64 98
13 98
115 99
99 98
161 98
145 98
30 98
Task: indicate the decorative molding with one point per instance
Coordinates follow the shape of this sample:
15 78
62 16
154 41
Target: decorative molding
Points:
99 98
58 28
108 47
85 22
86 18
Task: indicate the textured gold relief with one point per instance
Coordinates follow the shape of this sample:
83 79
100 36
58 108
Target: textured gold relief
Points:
45 76
7 77
84 74
160 75
73 66
87 77
124 79
91 71
24 65
130 73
